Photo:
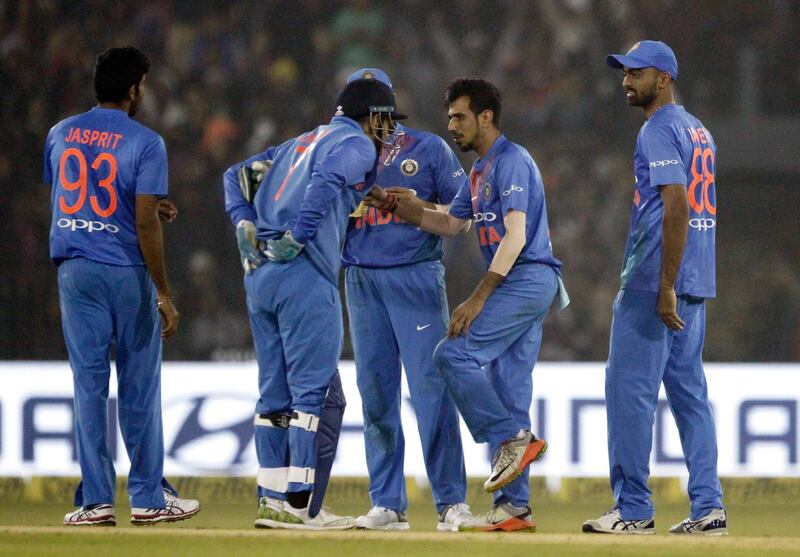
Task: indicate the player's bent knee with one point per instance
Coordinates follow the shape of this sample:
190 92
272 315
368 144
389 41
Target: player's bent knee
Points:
446 354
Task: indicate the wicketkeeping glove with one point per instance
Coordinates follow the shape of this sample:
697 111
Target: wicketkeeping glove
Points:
248 246
284 249
250 178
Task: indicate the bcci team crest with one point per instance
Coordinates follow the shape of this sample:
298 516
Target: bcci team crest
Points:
409 167
487 190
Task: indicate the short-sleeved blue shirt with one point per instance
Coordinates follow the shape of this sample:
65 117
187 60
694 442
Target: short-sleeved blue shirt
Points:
425 164
506 179
97 163
673 147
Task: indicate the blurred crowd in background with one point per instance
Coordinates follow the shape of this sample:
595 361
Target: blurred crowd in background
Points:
230 78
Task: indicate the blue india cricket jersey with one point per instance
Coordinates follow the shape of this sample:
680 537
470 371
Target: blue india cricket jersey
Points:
315 182
425 164
97 163
673 147
506 179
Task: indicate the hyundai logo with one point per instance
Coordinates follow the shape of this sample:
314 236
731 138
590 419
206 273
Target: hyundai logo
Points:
214 434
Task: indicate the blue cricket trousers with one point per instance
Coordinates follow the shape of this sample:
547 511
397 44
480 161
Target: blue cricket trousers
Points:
104 305
400 314
644 352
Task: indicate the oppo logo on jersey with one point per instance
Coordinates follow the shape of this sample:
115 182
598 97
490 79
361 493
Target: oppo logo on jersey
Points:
703 224
656 164
484 217
90 225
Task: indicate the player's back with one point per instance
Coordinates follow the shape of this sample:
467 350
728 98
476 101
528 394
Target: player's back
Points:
295 165
97 162
673 147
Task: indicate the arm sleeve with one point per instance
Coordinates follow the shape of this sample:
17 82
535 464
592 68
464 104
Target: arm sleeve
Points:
449 175
516 183
235 205
151 176
349 164
664 156
461 205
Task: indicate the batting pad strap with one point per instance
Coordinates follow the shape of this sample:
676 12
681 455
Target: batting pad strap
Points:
275 479
280 421
308 422
301 475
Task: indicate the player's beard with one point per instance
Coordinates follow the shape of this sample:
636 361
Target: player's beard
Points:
465 147
644 98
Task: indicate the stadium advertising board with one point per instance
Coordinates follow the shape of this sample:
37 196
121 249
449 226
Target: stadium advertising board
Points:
208 416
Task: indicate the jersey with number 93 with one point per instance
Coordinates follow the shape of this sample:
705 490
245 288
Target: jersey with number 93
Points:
97 162
673 147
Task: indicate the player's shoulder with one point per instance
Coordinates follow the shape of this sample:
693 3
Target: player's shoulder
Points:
509 152
69 121
147 135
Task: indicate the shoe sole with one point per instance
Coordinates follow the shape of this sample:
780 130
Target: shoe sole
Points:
100 522
444 527
509 525
706 534
275 525
533 452
589 529
394 527
159 519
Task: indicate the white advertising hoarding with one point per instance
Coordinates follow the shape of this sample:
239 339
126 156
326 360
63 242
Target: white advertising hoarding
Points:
208 415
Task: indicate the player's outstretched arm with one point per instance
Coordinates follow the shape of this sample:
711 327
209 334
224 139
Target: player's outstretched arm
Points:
405 206
148 229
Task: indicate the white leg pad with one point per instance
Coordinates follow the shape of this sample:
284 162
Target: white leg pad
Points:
275 479
308 422
301 475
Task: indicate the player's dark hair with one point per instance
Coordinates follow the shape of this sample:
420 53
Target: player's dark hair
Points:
482 96
116 70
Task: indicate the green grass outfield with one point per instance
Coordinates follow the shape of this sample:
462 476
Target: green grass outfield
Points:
31 513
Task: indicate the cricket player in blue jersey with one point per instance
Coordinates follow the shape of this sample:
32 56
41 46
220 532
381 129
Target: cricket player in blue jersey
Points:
290 239
500 325
397 306
108 174
658 325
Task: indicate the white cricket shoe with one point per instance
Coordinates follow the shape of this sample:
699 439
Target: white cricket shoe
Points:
714 523
298 519
381 518
611 523
93 515
453 515
269 508
512 457
175 509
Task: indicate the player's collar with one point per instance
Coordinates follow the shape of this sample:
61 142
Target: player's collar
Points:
492 150
344 120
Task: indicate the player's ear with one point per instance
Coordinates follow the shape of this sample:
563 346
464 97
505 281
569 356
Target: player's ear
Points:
132 92
485 118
